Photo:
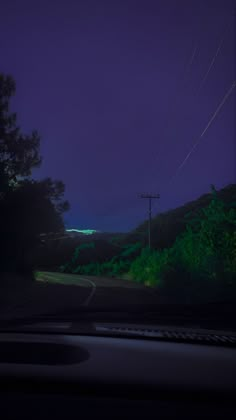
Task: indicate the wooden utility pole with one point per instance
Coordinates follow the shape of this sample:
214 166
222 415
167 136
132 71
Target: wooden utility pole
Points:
149 197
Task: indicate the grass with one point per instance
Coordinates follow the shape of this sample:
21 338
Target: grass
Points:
58 278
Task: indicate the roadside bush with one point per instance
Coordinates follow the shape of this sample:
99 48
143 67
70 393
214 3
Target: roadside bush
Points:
150 267
202 261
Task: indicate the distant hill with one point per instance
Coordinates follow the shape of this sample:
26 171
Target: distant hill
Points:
166 226
58 249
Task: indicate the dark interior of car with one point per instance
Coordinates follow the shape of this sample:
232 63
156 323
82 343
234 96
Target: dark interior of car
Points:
81 376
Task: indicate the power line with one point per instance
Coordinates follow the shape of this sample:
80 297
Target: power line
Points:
191 59
186 73
205 129
214 57
187 70
211 63
202 83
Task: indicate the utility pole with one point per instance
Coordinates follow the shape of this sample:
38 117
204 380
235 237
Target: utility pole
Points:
149 197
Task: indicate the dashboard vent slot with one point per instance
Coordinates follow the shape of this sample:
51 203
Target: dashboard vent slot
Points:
169 335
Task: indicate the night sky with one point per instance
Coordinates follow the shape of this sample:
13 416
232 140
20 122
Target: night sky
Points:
117 92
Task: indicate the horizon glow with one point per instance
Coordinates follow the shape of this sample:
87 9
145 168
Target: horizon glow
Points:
84 231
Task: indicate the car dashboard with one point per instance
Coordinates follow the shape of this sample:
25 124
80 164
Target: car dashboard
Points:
65 375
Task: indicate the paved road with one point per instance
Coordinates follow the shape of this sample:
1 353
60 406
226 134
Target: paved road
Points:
57 292
102 290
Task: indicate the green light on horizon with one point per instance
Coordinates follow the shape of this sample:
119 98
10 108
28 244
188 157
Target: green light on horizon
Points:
84 231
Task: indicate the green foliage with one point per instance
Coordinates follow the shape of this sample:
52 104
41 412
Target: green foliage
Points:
200 264
113 267
72 265
166 227
201 261
129 250
149 267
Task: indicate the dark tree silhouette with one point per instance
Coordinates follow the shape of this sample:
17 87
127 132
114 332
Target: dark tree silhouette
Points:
19 153
28 208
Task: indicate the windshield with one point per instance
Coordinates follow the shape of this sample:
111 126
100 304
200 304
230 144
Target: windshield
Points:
117 158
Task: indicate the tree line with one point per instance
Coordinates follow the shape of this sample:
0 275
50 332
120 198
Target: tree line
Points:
28 207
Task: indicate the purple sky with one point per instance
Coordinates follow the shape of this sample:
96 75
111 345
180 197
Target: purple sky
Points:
108 86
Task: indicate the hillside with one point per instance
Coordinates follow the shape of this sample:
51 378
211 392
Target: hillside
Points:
166 226
104 247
